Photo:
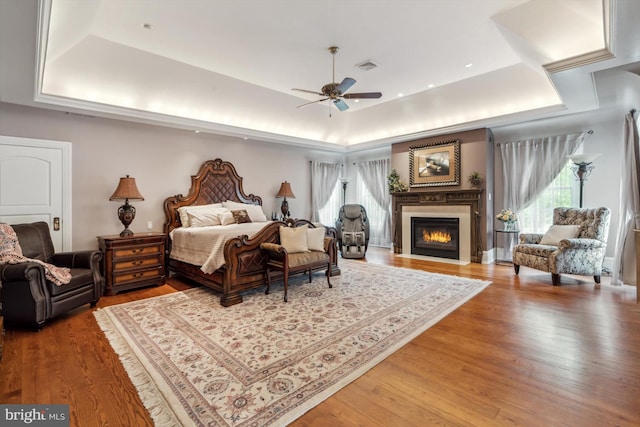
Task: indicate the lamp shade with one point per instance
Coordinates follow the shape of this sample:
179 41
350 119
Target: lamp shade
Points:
285 191
127 190
584 158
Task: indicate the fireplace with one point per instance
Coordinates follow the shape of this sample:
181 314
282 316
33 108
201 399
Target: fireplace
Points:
436 237
463 204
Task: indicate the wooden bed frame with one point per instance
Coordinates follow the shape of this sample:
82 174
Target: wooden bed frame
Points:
245 264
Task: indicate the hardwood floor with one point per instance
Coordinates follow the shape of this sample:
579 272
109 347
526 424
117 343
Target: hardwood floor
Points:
522 352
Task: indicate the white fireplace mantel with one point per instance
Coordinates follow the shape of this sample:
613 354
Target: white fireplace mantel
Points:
446 211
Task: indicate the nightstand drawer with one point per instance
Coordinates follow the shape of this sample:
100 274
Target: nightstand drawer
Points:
135 276
137 251
137 263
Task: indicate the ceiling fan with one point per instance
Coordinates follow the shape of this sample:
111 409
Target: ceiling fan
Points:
336 91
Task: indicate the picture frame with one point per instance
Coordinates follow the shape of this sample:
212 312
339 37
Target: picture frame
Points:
435 164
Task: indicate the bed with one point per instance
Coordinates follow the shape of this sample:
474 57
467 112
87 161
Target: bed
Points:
243 263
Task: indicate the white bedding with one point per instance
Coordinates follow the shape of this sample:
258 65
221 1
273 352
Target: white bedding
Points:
204 246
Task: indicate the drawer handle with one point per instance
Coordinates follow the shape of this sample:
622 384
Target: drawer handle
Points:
135 251
136 275
137 262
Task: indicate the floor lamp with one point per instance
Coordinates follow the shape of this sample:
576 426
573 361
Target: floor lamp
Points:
345 181
582 169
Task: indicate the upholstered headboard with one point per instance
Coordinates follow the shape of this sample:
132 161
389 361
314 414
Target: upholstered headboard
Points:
215 182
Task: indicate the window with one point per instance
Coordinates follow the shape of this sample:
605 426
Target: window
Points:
375 214
563 191
329 212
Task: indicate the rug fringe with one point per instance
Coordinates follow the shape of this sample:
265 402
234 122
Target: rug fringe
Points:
151 397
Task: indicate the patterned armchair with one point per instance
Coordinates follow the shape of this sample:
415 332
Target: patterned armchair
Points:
580 254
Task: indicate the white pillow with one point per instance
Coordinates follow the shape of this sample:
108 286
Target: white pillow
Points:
205 217
183 211
315 239
226 218
558 232
255 211
294 239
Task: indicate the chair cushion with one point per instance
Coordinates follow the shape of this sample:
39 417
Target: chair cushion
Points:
305 258
355 238
35 240
559 232
594 221
80 278
352 211
536 250
294 239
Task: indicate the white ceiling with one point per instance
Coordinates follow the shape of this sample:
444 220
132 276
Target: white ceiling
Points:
229 66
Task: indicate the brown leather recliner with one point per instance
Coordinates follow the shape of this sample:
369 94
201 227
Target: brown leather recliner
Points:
28 298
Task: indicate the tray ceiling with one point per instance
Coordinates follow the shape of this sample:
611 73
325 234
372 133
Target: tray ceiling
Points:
229 66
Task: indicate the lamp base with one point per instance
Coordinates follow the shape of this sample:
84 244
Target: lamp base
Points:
284 208
126 213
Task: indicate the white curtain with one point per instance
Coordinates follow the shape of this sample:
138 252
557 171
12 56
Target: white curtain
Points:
624 261
374 175
530 166
323 180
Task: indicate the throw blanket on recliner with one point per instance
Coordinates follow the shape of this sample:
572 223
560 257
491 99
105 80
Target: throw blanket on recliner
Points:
11 253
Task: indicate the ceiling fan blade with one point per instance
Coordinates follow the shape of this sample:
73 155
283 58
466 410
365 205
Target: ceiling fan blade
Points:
366 95
312 102
345 85
341 104
309 91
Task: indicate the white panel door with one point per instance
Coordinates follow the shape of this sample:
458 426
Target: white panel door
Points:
35 185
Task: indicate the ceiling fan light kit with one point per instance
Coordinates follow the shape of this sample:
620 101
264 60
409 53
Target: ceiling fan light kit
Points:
336 91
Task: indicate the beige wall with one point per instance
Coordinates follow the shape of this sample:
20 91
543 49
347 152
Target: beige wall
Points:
476 154
161 159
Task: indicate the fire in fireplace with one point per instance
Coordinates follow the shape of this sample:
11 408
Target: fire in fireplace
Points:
436 237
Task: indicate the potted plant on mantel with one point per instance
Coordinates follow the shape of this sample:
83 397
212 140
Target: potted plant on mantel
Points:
475 179
396 185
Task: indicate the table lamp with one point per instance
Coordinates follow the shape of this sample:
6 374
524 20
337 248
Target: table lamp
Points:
285 191
126 190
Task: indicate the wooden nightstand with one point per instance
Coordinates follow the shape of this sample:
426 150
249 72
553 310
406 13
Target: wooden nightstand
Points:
132 262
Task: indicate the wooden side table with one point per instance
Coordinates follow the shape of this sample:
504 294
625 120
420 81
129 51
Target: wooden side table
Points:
132 262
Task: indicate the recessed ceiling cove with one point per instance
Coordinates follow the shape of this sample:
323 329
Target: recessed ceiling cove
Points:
230 66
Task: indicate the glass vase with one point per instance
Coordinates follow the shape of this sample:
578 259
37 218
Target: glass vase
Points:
510 226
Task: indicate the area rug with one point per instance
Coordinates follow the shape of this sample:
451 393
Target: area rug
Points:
266 362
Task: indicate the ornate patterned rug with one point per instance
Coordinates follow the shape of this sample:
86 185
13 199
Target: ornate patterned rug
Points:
266 362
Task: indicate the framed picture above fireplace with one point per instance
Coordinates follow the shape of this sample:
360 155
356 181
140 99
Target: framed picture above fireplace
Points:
435 164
